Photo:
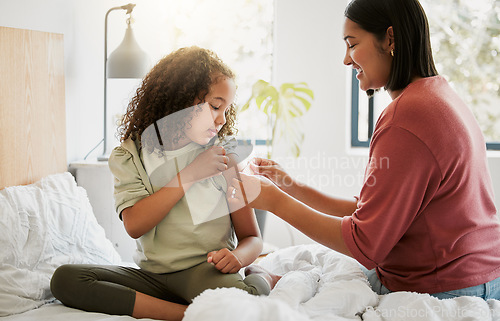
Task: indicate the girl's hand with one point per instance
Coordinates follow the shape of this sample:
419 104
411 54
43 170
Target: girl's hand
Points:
253 190
209 163
224 260
273 171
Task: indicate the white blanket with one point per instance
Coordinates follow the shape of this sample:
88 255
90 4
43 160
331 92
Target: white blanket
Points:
43 226
320 284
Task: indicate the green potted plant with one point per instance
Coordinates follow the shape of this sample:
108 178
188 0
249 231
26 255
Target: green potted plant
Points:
283 108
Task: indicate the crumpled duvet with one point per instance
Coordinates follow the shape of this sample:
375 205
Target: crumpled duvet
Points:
321 284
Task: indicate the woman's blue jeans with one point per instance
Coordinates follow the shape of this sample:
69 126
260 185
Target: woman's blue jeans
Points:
488 290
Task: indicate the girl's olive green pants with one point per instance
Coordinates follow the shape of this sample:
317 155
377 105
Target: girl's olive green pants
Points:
111 289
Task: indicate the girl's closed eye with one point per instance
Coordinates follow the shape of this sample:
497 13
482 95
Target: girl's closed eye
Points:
214 107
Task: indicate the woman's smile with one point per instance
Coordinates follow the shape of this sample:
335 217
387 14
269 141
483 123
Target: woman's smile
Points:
359 72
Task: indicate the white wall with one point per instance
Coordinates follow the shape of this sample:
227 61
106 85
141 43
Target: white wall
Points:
309 48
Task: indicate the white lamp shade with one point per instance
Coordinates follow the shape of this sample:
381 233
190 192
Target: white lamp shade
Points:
128 60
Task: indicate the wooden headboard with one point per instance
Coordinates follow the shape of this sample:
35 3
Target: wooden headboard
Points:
32 106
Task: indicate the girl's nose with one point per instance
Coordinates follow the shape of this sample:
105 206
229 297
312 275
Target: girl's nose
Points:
220 118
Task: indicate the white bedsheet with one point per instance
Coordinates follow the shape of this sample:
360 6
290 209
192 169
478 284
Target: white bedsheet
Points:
320 284
59 312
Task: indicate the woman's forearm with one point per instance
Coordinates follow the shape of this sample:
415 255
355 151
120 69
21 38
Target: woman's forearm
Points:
263 194
320 201
323 228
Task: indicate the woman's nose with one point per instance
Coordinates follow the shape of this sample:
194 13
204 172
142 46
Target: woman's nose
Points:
347 58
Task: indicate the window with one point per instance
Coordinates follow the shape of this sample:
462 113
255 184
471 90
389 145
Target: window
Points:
465 38
364 112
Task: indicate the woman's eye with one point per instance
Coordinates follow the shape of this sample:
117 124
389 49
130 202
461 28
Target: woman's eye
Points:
351 46
214 107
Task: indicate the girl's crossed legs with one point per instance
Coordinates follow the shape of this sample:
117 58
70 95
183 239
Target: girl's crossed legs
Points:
130 291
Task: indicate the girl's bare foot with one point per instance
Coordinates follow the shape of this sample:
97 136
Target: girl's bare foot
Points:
271 278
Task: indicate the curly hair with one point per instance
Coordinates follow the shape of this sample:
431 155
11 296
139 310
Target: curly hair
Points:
172 86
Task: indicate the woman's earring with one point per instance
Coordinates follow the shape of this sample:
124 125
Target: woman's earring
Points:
392 52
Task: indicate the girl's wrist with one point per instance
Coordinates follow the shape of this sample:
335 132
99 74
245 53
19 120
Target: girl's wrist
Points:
187 175
249 255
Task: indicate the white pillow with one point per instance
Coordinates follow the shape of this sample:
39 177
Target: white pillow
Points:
42 226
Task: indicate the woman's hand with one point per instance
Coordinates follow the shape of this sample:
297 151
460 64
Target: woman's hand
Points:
253 190
209 163
224 260
273 171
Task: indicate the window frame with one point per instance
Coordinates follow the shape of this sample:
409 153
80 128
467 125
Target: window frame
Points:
355 142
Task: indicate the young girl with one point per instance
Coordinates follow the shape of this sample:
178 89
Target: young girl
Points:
170 182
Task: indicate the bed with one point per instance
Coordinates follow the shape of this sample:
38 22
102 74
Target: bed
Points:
46 220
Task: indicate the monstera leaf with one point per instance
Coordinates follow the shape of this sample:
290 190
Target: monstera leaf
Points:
283 108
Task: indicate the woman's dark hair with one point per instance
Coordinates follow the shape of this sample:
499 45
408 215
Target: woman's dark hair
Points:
412 51
176 81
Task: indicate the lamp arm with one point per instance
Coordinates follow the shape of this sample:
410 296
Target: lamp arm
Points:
129 7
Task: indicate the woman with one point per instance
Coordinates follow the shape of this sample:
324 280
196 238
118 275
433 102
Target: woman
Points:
425 220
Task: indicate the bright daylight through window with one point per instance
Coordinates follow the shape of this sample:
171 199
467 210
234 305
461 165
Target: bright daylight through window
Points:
241 33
